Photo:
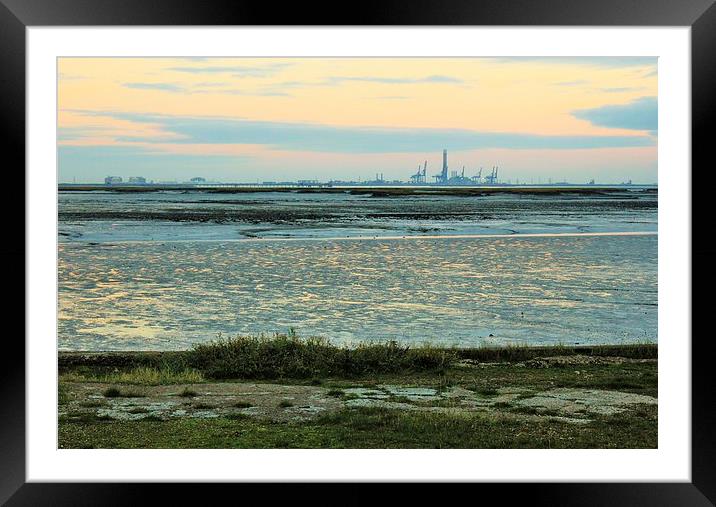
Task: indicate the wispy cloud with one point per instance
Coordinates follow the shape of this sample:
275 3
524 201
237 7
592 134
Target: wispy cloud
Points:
340 80
140 159
578 82
622 89
206 88
640 114
70 77
340 139
395 80
234 70
591 61
167 87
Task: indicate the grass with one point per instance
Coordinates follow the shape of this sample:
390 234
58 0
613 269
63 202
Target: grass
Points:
187 393
366 428
143 375
487 392
93 404
114 392
507 427
287 356
63 395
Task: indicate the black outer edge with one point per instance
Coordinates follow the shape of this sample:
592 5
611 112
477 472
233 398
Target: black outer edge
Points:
699 13
703 109
337 494
365 12
12 253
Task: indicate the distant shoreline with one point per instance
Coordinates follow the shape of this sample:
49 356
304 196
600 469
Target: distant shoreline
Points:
376 191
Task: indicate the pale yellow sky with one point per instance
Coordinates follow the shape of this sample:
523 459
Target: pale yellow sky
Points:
142 109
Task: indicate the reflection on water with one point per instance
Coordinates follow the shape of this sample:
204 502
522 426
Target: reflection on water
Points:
466 291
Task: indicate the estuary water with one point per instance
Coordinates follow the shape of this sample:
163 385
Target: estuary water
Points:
165 270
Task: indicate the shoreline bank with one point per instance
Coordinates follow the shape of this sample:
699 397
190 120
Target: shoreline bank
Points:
542 397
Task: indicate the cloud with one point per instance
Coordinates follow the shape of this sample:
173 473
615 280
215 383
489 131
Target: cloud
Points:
167 87
591 61
578 82
206 88
339 80
340 139
622 89
640 114
70 77
395 80
235 70
138 158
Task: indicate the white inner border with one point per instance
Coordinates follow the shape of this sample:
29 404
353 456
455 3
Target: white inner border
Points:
671 461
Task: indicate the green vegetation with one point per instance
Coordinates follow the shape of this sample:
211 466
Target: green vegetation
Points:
366 428
289 356
315 369
114 392
485 391
142 375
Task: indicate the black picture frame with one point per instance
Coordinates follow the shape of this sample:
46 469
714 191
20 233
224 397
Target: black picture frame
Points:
700 15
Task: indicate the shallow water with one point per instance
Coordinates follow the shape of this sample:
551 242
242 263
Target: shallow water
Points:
133 282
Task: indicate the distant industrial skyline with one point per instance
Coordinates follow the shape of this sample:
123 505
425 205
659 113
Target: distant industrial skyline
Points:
264 119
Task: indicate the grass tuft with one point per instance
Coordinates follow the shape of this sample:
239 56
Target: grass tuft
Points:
188 393
290 356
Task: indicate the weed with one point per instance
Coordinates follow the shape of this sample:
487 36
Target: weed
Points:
485 391
92 404
287 355
188 393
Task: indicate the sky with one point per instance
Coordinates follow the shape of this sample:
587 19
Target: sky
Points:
286 119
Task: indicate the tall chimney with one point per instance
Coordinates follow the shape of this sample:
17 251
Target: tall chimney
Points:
445 166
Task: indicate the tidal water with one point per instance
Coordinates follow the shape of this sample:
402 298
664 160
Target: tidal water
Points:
167 270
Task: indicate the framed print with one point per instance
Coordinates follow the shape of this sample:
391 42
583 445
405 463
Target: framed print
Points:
451 243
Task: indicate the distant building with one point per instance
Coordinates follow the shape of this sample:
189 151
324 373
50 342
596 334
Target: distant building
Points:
112 180
198 179
137 179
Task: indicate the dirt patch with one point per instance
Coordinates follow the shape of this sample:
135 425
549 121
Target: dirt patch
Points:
584 402
283 403
580 360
